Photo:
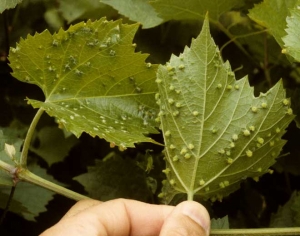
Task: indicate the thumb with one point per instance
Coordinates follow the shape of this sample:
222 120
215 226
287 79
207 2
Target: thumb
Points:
187 219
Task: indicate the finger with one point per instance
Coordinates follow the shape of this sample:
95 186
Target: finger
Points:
114 218
81 206
187 219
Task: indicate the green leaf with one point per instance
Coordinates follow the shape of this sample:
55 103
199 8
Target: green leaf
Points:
53 146
291 40
221 223
137 10
216 132
115 178
192 9
273 16
92 79
26 192
79 9
287 215
7 4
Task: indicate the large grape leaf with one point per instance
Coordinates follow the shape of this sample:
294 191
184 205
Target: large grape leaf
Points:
137 10
287 215
216 132
53 145
273 16
192 9
114 178
291 40
92 79
74 10
7 4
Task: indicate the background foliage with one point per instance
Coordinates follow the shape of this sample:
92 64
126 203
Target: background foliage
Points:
247 35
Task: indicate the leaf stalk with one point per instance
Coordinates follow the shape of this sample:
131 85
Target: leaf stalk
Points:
256 232
28 138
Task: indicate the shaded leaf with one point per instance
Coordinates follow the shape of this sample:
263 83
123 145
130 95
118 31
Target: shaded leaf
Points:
137 10
92 79
291 40
53 146
220 223
273 16
216 132
116 178
7 4
79 9
192 9
32 198
287 215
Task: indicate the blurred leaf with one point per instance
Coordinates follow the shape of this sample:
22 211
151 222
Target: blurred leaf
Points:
7 4
116 178
53 146
287 215
80 9
32 198
273 16
291 40
92 79
137 10
216 132
192 9
221 223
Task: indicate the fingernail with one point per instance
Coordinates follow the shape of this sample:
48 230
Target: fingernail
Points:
198 214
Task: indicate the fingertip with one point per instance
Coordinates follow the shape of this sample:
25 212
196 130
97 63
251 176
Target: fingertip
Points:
188 218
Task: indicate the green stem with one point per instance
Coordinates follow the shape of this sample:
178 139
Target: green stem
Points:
27 176
28 138
249 232
190 196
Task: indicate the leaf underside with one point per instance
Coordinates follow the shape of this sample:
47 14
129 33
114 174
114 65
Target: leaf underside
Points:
216 132
291 40
92 79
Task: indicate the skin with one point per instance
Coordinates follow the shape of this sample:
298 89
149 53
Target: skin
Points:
122 217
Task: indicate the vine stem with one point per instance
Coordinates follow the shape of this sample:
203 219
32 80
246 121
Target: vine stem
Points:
28 138
256 232
28 176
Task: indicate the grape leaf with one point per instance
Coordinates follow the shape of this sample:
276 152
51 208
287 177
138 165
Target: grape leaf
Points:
287 215
114 178
92 79
53 146
291 40
273 16
192 9
220 223
137 10
7 4
216 132
26 192
73 10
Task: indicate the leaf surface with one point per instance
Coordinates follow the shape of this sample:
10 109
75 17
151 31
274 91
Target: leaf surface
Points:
220 223
7 4
216 132
273 16
136 10
192 9
291 40
114 178
53 146
92 79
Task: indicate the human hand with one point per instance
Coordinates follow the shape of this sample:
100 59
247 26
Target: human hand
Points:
123 217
